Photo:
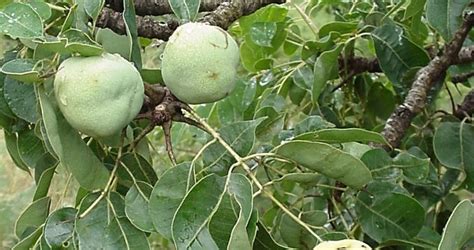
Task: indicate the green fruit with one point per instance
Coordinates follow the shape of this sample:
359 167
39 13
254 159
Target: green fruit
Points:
99 95
200 63
342 244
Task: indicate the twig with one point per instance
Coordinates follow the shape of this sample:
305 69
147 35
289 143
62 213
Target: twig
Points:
466 109
107 187
462 77
239 161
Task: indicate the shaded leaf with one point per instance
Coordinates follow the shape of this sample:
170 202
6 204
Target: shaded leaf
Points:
325 69
21 99
396 53
453 146
166 197
391 216
240 136
59 227
136 206
32 217
190 221
24 70
446 15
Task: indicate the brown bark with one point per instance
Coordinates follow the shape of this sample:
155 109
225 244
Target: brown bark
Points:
466 109
223 16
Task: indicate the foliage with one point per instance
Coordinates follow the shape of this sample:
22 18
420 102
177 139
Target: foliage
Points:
291 158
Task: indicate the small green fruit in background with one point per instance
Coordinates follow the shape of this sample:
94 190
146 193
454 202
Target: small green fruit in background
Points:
342 244
200 63
99 95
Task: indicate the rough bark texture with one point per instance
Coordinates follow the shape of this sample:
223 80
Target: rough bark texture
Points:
223 16
159 7
147 26
466 55
415 101
466 109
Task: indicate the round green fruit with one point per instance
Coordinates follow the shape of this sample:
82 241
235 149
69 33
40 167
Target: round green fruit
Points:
99 95
200 63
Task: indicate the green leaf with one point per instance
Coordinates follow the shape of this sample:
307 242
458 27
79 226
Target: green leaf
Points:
190 221
23 70
453 146
115 43
186 10
414 169
336 135
389 216
132 33
228 225
459 229
446 15
93 8
30 241
240 136
294 235
303 77
139 167
59 227
396 53
11 142
30 147
264 240
340 27
136 206
106 227
68 145
262 33
41 8
327 160
21 99
325 69
166 197
20 21
32 217
415 7
44 183
80 42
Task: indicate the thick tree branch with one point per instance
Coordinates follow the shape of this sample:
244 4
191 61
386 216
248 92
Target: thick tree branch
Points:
223 16
466 109
415 101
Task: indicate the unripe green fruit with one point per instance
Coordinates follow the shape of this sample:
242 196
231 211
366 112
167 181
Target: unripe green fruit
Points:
348 244
99 95
200 63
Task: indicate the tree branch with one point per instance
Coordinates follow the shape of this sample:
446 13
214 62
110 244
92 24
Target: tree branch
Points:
466 109
462 77
466 55
415 101
223 16
159 7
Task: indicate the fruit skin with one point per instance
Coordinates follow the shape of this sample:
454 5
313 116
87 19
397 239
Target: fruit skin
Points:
200 63
98 95
348 244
